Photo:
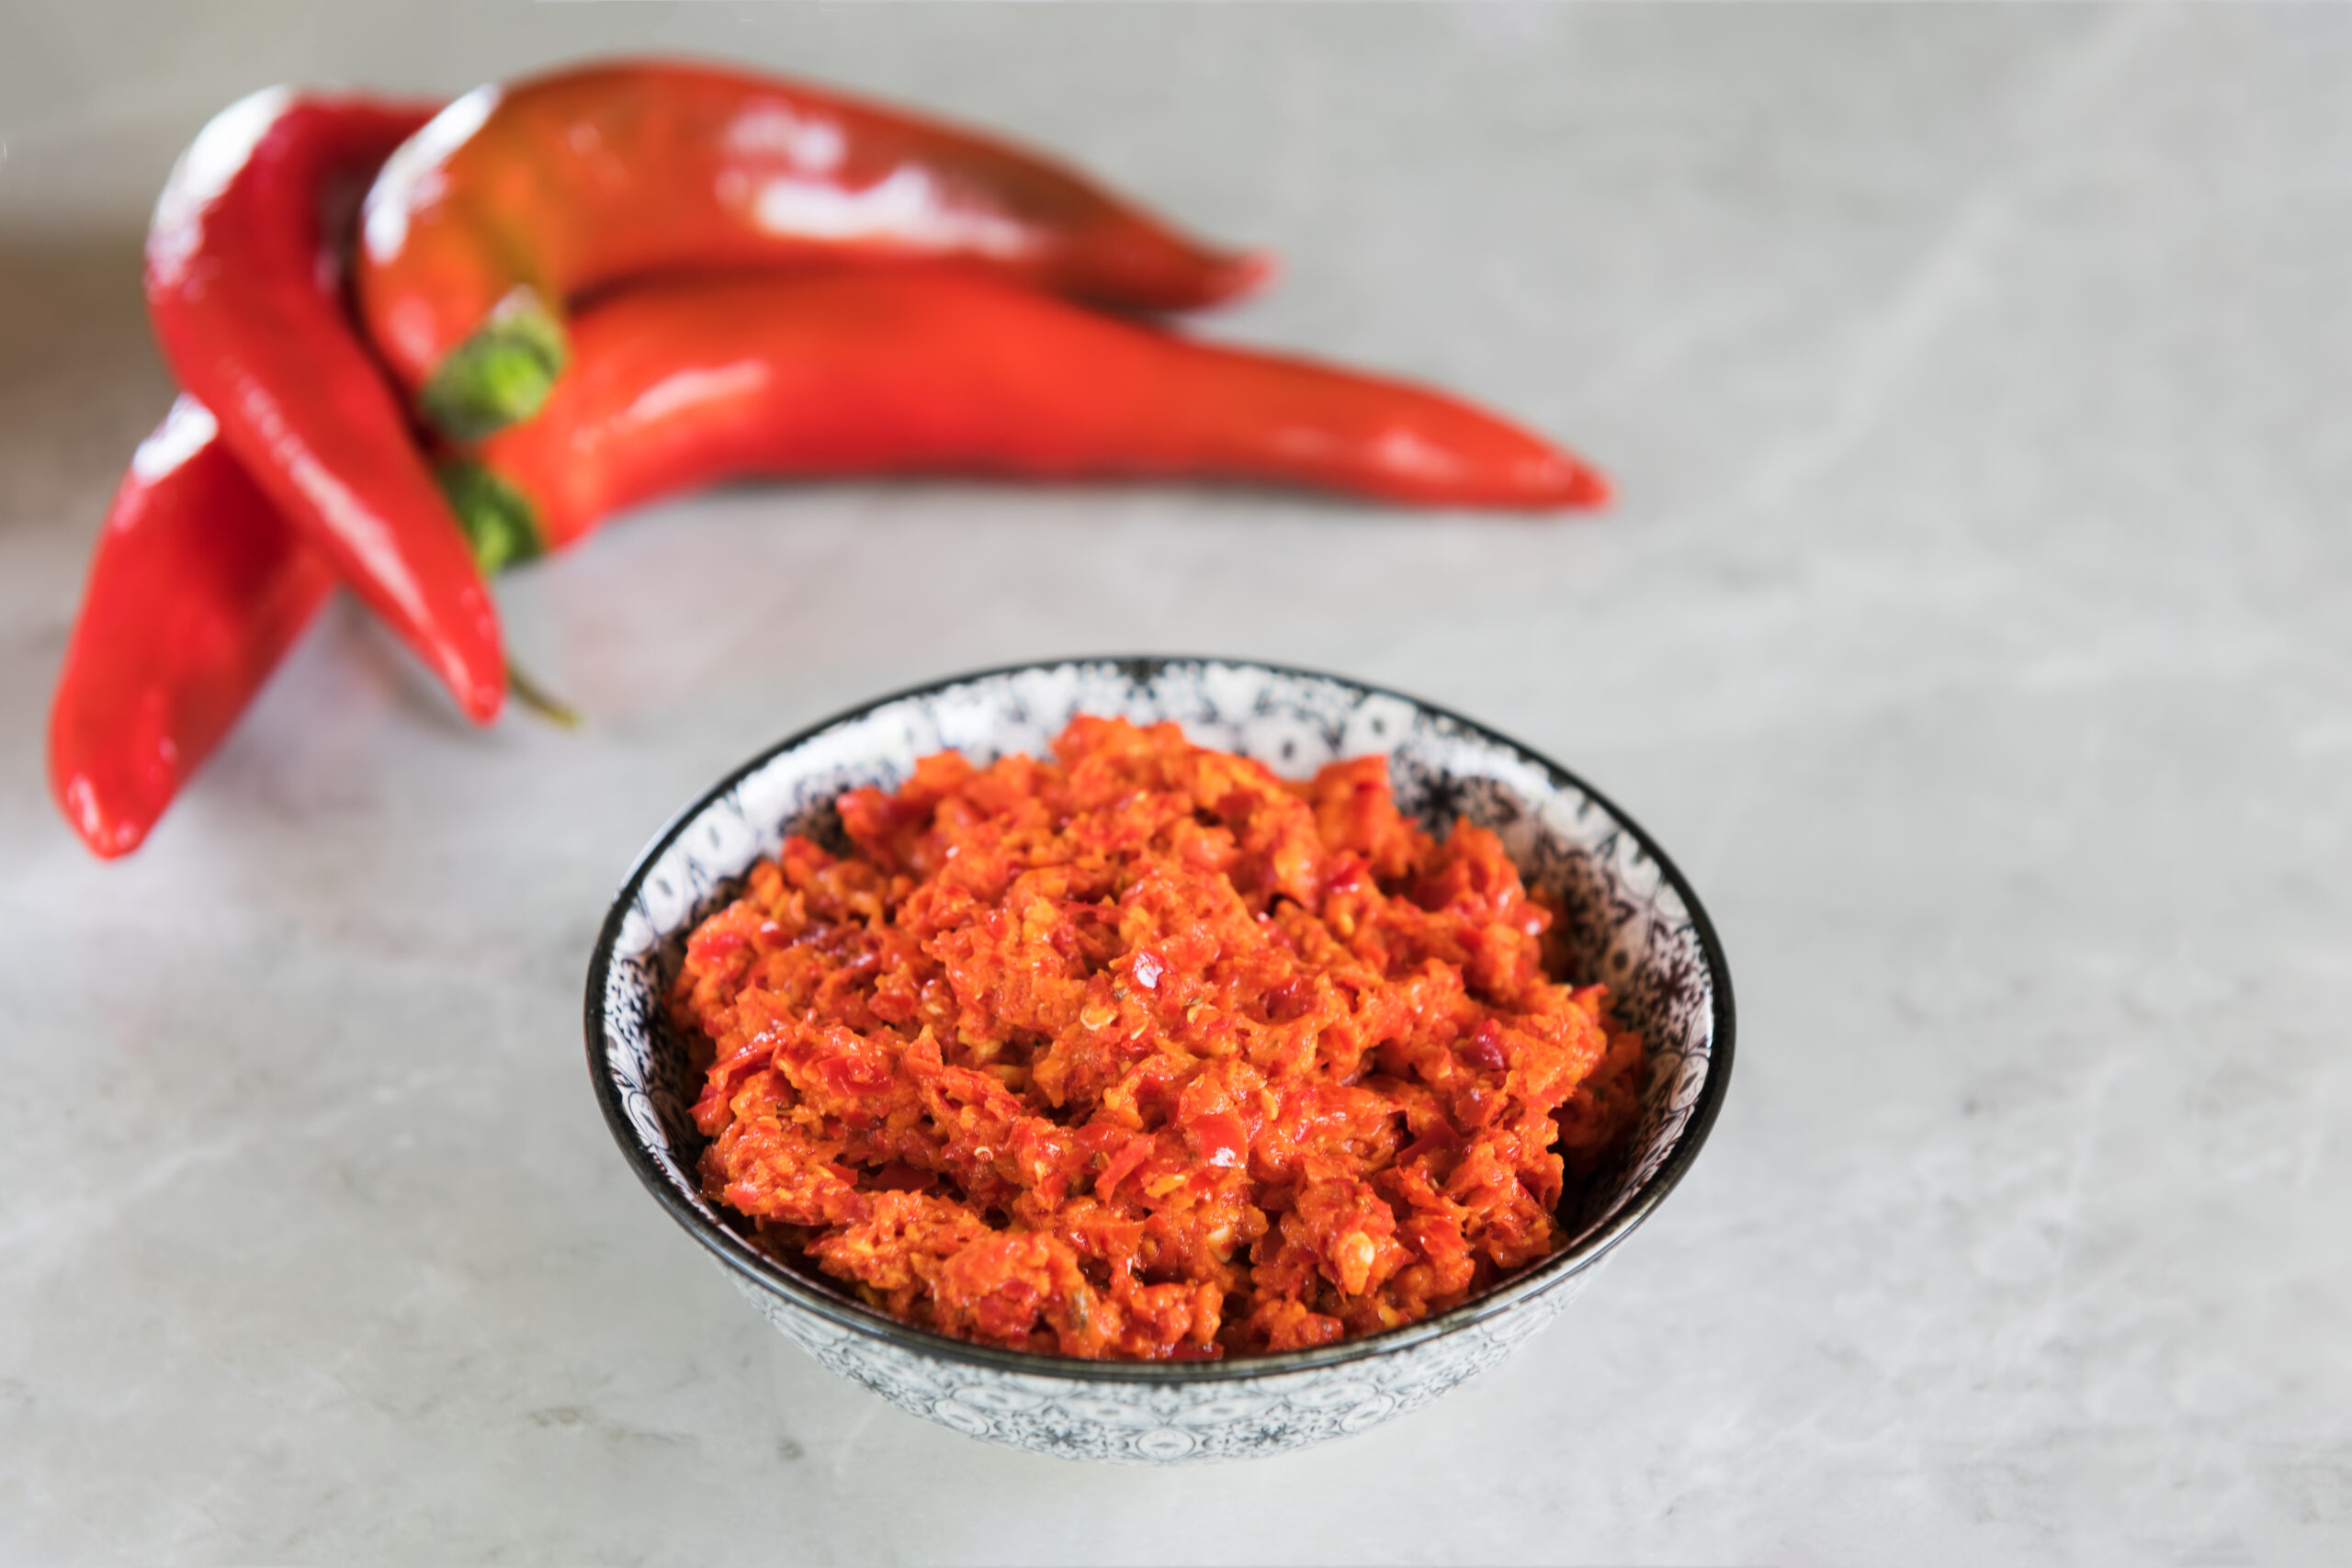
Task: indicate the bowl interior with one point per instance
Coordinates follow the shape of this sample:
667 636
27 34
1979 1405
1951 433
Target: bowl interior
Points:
1628 919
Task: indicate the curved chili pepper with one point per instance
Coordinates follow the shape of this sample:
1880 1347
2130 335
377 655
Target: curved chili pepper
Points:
198 589
245 293
516 200
680 385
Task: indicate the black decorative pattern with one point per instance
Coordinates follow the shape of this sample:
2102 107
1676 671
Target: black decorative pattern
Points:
1138 1424
1627 918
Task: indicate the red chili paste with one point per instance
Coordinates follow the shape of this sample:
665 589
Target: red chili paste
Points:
1143 1052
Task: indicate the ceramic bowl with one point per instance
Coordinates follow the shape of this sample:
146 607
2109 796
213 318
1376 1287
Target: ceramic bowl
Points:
1632 922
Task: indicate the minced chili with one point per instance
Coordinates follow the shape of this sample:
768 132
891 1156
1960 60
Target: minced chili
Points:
1143 1052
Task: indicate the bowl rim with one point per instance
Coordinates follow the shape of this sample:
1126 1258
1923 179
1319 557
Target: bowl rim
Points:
748 1266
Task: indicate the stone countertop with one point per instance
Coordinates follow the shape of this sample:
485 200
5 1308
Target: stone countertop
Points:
1975 629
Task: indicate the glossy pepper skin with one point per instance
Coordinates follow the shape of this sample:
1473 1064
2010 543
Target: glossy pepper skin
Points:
678 386
517 200
243 287
198 589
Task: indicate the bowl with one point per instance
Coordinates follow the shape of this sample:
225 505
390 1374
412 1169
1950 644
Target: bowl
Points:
1630 919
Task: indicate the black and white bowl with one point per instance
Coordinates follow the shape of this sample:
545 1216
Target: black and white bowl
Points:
1630 920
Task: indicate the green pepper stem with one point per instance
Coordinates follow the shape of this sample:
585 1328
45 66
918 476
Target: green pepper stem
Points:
499 376
501 525
540 700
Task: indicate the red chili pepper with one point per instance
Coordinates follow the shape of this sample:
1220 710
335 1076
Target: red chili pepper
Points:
677 386
517 200
243 288
200 588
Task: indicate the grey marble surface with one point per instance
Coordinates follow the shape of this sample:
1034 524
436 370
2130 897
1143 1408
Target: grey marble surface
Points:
1975 629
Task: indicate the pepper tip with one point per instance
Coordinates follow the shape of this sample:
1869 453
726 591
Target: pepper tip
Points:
482 702
1556 479
475 682
110 823
1245 273
1587 487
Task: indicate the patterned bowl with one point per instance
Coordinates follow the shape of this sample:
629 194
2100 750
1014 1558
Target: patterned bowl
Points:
1631 918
